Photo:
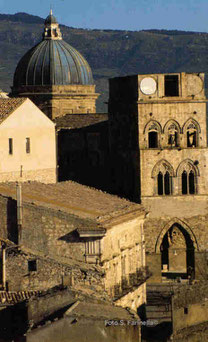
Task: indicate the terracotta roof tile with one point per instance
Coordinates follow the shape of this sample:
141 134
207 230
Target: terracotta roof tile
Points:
7 106
73 198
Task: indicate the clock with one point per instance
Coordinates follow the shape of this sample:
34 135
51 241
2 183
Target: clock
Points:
148 86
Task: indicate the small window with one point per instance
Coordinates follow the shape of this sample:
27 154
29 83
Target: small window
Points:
184 183
188 183
153 139
27 145
185 311
160 183
32 265
10 146
191 139
171 85
191 183
93 247
164 184
167 183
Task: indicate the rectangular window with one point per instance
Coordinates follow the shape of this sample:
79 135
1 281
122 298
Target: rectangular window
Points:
93 247
171 85
10 146
32 265
27 145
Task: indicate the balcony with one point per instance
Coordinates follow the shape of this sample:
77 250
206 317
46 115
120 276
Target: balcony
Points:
130 283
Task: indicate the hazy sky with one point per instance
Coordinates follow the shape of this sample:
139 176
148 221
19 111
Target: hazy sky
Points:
189 15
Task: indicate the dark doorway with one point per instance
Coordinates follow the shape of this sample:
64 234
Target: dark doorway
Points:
153 139
177 253
171 85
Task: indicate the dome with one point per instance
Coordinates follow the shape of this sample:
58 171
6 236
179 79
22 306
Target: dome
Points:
52 62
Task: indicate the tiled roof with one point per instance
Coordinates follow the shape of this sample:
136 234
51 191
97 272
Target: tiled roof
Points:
73 198
98 311
79 120
7 106
3 95
11 298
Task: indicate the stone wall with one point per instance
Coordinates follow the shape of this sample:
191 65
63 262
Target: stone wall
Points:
190 306
59 100
133 114
49 273
44 176
83 155
52 232
122 258
190 212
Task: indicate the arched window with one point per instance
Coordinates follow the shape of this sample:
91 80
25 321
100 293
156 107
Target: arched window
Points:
167 183
191 129
153 139
173 136
172 132
187 173
191 135
164 183
191 183
163 174
152 133
184 183
160 183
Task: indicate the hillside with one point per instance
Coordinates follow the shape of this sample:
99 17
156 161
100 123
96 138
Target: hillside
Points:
110 53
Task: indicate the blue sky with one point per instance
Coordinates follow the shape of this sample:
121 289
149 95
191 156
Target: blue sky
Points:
189 15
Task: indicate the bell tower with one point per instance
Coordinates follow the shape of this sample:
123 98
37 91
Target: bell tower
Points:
158 131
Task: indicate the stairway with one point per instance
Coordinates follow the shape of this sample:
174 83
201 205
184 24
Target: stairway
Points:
158 307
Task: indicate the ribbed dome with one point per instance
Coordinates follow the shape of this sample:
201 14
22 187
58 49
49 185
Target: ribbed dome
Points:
52 62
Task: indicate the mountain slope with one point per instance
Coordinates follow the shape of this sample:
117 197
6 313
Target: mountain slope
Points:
110 53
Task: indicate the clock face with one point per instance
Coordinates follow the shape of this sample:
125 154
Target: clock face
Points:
148 86
194 85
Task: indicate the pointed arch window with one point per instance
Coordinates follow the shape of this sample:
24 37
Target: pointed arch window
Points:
160 183
192 135
173 136
167 183
163 174
188 180
164 183
191 183
153 139
153 131
184 183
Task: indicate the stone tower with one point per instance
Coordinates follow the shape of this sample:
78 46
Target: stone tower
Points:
55 76
158 126
159 156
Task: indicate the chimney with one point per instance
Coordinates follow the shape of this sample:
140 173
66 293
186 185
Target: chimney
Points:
19 211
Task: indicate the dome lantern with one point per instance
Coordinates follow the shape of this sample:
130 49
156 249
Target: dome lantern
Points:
52 30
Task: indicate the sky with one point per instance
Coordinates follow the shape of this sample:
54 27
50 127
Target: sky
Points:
188 15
